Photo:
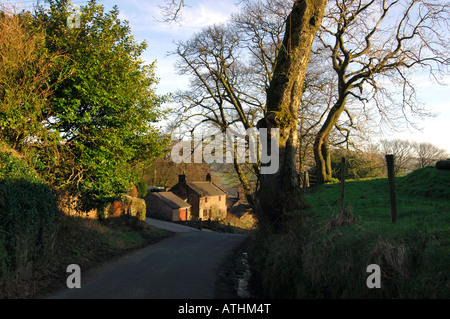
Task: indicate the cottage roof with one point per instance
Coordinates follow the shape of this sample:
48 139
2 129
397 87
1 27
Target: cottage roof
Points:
172 200
206 188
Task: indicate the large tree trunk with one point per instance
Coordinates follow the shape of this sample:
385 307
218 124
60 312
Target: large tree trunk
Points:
279 192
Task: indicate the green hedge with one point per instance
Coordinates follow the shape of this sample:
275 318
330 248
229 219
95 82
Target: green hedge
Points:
27 212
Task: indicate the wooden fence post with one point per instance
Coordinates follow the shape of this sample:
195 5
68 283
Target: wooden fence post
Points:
342 184
391 178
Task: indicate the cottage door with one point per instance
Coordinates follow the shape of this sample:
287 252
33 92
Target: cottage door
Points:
183 214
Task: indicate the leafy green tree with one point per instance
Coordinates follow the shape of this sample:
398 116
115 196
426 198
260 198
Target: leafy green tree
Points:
105 109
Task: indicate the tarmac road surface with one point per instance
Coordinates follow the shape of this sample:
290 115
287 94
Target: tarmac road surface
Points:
183 266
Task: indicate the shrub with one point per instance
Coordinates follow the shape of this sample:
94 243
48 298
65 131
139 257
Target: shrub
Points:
142 189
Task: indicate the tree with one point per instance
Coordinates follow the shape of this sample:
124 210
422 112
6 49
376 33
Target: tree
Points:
403 154
367 163
219 93
412 155
428 154
104 111
318 90
25 67
375 46
278 193
261 26
172 11
231 67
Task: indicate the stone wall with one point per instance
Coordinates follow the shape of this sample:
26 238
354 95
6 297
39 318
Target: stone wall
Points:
127 206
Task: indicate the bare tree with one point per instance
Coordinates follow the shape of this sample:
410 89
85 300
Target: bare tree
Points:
220 92
261 26
428 154
403 154
375 47
172 10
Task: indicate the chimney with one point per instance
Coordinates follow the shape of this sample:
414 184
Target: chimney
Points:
208 177
182 178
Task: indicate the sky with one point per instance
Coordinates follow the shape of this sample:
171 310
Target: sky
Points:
144 17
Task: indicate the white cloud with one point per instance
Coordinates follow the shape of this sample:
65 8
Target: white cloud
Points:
145 16
206 13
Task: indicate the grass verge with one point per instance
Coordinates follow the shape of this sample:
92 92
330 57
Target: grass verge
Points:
84 242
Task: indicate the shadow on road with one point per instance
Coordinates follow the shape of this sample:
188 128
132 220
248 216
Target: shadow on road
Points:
192 264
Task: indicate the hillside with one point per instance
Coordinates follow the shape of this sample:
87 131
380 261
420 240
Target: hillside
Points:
427 182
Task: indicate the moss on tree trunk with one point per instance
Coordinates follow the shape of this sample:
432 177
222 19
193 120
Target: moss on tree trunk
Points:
279 192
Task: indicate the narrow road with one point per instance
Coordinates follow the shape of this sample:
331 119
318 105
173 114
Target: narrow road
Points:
183 266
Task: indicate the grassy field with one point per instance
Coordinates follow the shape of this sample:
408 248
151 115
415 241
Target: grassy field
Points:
325 254
423 200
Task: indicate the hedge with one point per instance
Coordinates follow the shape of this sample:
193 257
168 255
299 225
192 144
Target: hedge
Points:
27 213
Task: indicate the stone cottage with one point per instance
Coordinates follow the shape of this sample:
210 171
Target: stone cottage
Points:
168 206
207 199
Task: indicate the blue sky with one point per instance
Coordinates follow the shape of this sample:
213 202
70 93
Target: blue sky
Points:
143 17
